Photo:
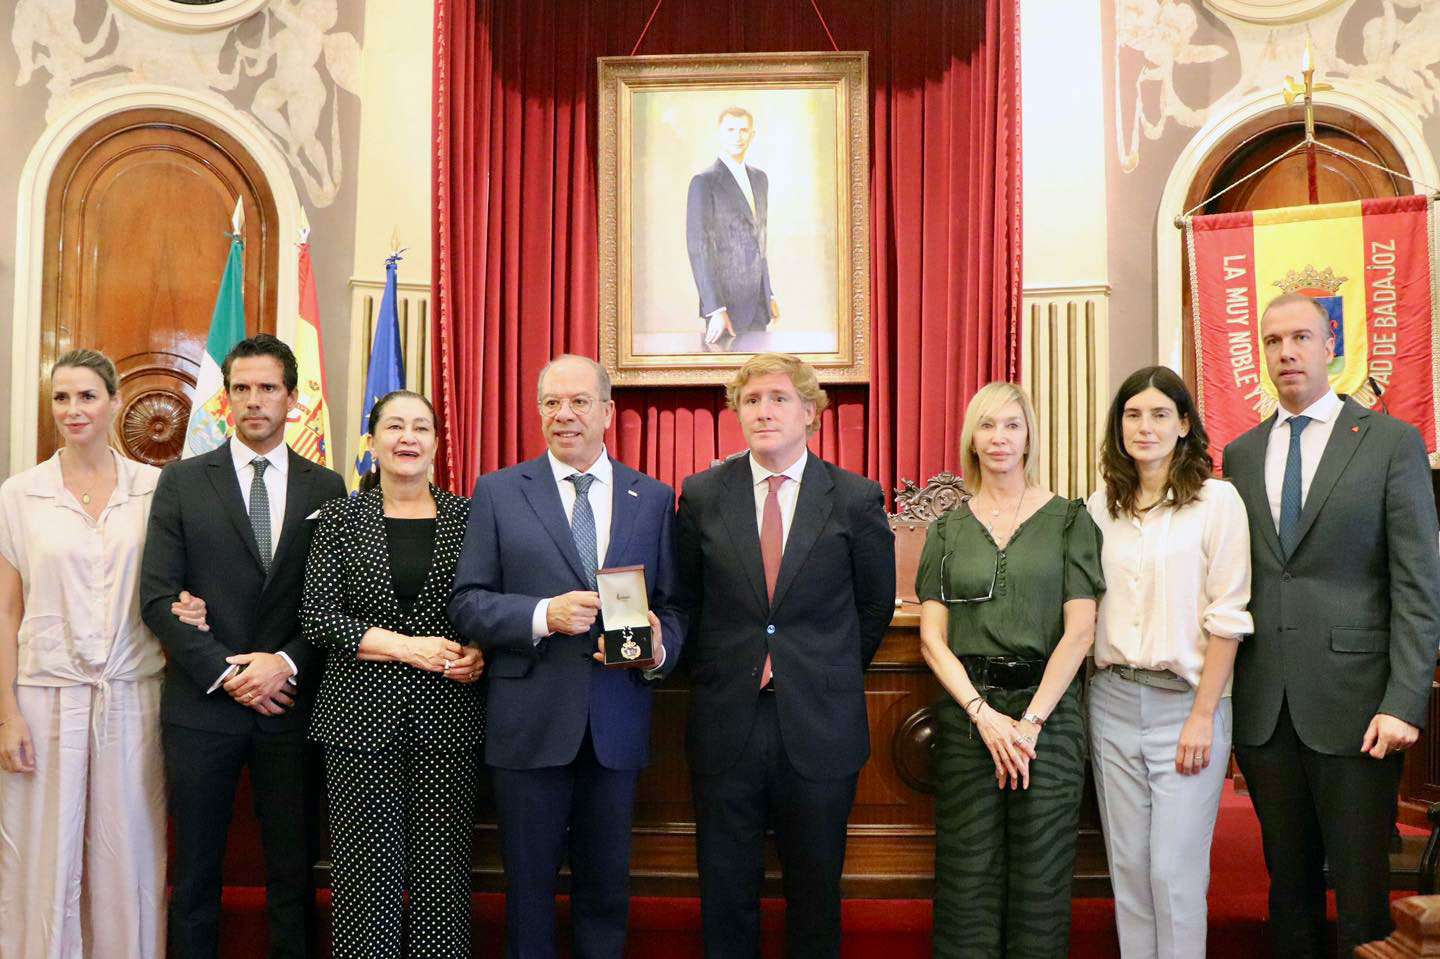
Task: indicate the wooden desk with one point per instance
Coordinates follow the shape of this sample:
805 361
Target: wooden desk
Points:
891 849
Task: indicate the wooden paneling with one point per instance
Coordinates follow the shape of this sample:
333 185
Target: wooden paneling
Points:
891 847
137 217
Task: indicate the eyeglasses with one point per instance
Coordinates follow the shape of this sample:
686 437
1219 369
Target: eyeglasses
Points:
579 405
989 595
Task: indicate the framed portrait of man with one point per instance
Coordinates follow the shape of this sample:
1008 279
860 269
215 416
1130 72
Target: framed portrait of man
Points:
734 214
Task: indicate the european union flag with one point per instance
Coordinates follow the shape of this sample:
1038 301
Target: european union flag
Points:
387 366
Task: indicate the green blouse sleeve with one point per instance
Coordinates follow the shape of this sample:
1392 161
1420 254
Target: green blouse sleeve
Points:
927 579
1084 578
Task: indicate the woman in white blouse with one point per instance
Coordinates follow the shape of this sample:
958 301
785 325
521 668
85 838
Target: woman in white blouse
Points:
82 812
1176 557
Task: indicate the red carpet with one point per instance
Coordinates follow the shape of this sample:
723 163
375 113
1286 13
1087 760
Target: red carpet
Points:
874 929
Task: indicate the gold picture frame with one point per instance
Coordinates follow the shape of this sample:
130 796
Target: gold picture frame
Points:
689 287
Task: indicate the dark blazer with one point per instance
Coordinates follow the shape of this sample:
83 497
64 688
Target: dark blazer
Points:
200 540
1348 624
348 589
727 246
518 550
834 599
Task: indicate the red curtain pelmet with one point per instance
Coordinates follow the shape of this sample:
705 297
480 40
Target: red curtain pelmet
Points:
516 221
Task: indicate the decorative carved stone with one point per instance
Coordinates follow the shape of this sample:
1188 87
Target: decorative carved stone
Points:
912 747
924 504
152 426
1417 931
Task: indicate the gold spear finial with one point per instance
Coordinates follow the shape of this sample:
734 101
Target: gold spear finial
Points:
1305 91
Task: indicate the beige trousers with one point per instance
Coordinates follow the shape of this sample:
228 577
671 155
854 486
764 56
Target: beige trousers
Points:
82 838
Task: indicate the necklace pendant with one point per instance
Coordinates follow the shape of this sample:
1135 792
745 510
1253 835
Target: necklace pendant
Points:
85 498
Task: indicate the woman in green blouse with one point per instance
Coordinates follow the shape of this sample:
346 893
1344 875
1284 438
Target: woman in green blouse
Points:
1008 582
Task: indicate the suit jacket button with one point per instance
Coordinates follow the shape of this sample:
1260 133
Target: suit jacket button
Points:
1285 577
770 630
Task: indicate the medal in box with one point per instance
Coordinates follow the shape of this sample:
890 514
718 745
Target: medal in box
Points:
624 610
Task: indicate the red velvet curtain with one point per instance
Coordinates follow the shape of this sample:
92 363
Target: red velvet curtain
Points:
516 221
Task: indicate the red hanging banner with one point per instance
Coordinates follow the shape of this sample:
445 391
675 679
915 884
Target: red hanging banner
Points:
1369 263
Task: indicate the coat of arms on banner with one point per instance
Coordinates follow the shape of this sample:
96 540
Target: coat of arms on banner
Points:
1368 263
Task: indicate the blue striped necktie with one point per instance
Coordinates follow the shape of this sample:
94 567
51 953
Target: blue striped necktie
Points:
582 525
1290 501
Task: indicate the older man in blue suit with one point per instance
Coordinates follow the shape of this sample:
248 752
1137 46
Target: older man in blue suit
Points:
566 737
726 215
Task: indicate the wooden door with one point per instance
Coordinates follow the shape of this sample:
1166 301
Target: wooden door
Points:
136 224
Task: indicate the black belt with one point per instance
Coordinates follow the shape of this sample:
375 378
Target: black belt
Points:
1003 672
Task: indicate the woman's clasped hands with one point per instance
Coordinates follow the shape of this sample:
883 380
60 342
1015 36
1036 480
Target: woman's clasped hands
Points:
1011 743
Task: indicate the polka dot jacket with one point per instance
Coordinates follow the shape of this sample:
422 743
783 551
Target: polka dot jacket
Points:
349 589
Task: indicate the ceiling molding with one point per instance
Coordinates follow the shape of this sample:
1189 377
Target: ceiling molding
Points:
192 17
1272 12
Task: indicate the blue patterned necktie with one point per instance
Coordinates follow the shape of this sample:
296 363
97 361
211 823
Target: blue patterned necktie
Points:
1290 489
582 525
260 510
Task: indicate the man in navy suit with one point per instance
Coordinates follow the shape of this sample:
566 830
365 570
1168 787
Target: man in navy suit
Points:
787 570
725 221
566 737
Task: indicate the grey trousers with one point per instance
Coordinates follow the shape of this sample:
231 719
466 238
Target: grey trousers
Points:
1158 824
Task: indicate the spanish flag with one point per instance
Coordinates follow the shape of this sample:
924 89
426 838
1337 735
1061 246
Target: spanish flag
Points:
307 429
1367 262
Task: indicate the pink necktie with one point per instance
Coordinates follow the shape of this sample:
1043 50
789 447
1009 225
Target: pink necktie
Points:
772 547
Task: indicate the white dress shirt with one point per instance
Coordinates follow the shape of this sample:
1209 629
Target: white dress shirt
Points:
1173 578
788 493
1323 413
275 479
742 180
601 497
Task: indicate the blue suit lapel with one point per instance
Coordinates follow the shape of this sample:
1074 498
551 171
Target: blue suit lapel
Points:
539 489
733 191
624 513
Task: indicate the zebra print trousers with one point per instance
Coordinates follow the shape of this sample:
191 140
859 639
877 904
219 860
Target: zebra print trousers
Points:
1004 858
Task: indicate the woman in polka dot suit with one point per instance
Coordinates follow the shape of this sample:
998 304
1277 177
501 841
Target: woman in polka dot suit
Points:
398 712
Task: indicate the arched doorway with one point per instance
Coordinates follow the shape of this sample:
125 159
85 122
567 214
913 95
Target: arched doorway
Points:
136 216
1238 161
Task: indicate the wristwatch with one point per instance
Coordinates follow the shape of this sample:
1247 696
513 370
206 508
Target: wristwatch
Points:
1032 718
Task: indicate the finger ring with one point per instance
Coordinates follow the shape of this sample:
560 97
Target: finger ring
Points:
448 664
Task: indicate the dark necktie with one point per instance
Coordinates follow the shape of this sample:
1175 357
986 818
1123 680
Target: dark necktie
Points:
1290 500
260 510
772 550
582 526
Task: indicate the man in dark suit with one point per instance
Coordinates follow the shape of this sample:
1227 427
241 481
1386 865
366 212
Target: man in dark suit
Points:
1346 598
787 565
725 223
232 527
566 738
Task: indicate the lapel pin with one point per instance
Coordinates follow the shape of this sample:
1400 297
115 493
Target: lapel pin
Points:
1354 429
633 493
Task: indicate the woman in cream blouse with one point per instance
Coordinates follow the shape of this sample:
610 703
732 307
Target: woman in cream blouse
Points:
1176 555
81 782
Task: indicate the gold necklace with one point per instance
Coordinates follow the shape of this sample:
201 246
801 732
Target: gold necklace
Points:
85 494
